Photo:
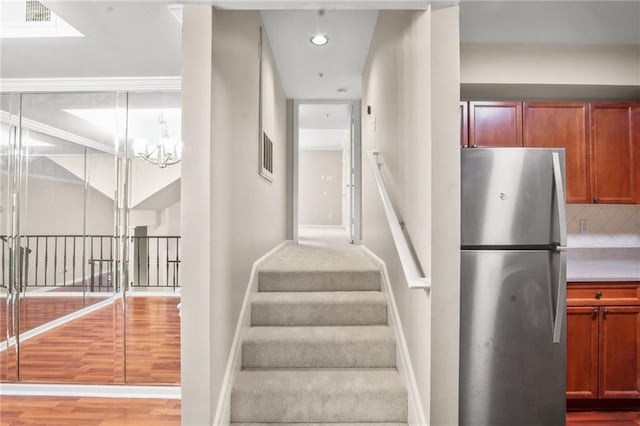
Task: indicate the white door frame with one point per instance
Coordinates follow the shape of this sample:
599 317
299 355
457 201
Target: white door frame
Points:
355 154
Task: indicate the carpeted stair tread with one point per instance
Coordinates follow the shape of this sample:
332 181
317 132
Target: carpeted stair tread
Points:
301 258
321 396
319 347
318 280
319 308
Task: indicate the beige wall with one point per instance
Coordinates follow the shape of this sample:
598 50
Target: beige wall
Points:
547 64
240 216
395 85
445 219
411 81
320 187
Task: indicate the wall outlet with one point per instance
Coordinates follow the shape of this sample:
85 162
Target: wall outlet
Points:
584 226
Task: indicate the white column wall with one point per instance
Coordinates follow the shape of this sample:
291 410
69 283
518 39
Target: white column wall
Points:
230 215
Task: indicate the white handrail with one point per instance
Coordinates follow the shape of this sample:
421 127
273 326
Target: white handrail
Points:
410 266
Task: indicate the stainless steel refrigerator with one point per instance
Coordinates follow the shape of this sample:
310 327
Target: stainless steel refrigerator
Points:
513 287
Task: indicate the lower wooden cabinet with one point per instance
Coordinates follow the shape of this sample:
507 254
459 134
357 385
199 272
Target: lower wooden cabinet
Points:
603 342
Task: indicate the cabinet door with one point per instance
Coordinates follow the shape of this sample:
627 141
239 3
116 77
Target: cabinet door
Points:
582 352
620 352
562 125
464 124
612 154
495 124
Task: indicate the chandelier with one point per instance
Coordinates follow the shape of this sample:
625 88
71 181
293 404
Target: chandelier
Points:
165 152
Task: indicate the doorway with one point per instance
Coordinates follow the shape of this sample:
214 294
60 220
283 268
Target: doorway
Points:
326 171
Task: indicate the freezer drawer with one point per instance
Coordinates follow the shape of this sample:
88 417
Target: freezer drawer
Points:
511 371
509 197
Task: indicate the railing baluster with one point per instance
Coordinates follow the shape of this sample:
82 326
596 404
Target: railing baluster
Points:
46 258
64 270
26 266
148 260
55 260
157 261
73 263
167 262
37 261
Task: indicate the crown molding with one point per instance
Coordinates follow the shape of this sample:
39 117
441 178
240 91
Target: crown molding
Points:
90 84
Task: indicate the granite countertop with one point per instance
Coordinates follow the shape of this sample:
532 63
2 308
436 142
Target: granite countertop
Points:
603 265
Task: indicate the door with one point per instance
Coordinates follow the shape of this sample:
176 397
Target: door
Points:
612 155
511 371
464 124
495 124
582 352
562 125
620 352
509 197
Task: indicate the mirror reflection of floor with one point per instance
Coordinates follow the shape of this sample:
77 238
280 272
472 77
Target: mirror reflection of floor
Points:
89 349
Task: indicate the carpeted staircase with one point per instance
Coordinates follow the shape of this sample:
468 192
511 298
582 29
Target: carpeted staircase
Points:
319 349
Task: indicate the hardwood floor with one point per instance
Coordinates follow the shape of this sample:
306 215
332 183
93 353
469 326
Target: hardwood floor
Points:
603 418
35 311
90 349
69 411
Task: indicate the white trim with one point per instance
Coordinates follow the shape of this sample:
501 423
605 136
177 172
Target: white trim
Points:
90 84
404 365
222 414
97 391
50 293
56 323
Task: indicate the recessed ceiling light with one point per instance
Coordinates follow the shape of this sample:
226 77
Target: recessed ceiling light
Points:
319 40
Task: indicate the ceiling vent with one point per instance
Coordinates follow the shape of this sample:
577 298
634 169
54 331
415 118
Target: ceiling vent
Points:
36 12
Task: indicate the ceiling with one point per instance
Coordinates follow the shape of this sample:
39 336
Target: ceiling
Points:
551 22
324 116
317 72
121 39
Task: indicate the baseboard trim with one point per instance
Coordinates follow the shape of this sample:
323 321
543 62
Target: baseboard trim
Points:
96 391
405 367
223 414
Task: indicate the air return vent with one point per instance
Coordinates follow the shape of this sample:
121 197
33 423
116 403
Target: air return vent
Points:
36 12
266 157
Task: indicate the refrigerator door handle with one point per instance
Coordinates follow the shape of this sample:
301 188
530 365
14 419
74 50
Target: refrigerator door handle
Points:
561 302
560 199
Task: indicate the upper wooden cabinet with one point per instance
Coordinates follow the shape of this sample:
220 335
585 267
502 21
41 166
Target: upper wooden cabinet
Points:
495 124
636 150
612 162
562 125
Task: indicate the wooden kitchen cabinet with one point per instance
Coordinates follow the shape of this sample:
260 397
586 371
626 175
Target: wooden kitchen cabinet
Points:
619 350
562 125
635 119
603 341
612 154
582 352
495 124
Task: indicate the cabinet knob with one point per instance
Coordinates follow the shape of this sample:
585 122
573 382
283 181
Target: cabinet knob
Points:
596 200
475 146
598 295
605 313
595 313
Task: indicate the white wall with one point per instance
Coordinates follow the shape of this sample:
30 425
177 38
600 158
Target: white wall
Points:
412 125
396 86
549 64
230 215
320 187
445 220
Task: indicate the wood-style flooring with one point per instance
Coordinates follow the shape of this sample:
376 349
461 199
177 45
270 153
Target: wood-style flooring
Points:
35 311
59 411
70 411
90 349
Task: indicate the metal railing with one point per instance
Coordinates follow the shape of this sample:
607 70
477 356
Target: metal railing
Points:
76 261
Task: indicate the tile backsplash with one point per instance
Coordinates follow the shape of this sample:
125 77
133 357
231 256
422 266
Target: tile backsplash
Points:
608 225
